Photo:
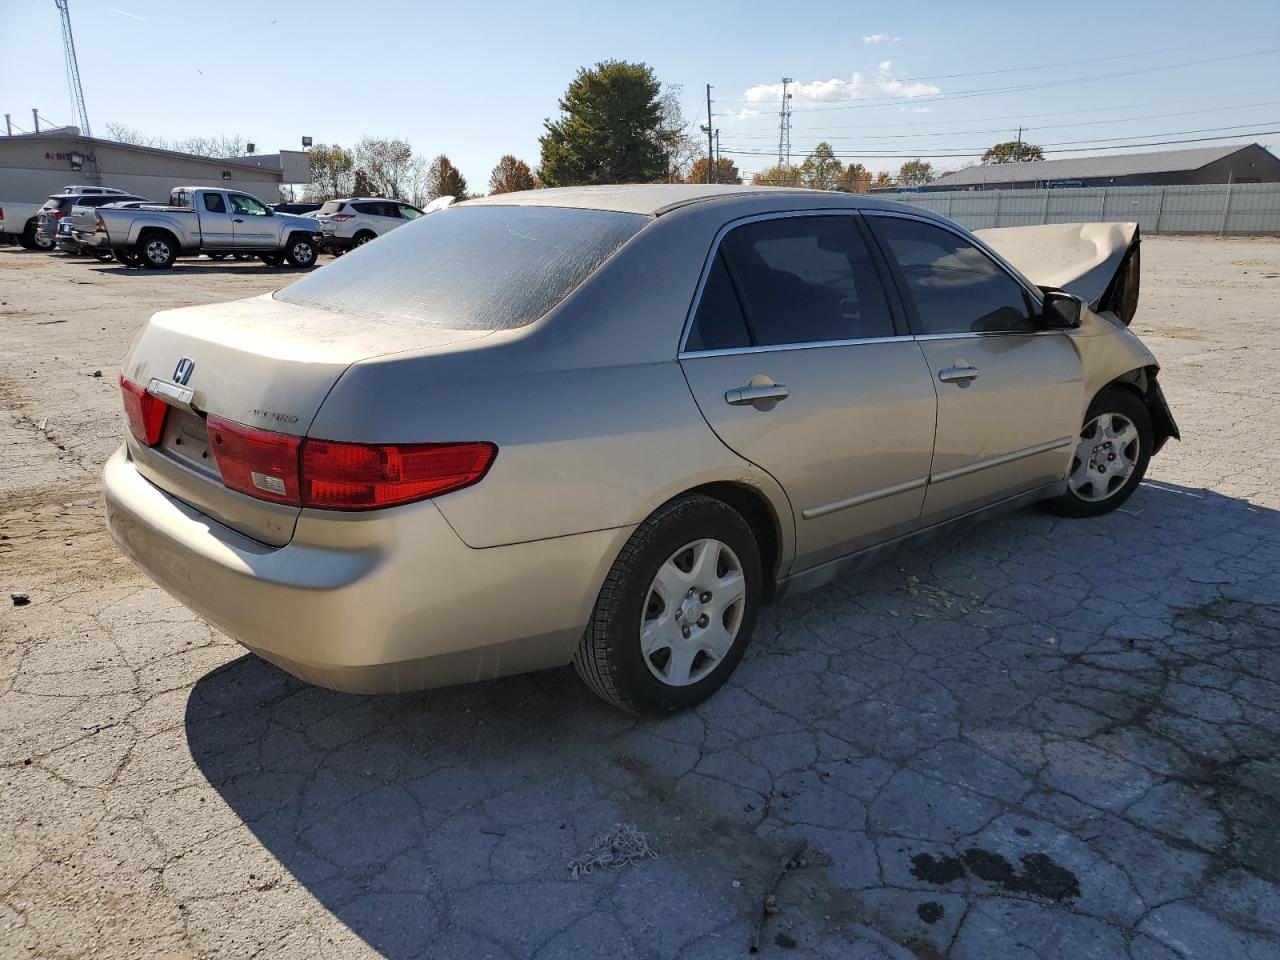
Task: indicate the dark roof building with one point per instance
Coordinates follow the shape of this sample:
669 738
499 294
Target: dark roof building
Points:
1253 163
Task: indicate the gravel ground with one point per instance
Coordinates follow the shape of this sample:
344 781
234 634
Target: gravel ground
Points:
1056 741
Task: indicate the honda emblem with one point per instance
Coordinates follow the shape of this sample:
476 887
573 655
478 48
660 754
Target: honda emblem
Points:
183 371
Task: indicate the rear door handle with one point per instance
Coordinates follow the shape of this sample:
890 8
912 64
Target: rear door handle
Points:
741 396
961 375
237 220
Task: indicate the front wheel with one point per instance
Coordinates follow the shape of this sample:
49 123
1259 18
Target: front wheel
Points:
1111 455
676 610
301 253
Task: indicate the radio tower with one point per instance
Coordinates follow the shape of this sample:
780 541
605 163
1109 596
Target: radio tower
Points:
784 125
90 166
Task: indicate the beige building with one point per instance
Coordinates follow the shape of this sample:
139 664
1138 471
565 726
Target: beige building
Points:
33 166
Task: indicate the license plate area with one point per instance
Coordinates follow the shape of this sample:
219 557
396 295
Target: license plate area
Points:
186 440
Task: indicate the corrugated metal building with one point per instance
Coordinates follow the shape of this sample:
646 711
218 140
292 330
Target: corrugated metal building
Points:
35 165
1253 163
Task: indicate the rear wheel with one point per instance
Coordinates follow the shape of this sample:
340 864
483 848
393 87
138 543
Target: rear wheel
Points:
127 257
1111 455
272 259
301 252
103 256
32 240
363 237
676 610
157 251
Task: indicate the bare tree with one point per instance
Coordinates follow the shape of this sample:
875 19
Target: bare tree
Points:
386 165
332 172
682 147
220 147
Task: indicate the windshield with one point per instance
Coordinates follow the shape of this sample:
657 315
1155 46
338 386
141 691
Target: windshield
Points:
470 267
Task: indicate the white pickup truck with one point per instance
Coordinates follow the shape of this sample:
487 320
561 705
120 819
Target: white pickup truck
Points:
205 220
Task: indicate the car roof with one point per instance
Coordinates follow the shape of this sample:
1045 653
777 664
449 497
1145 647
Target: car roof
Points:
655 199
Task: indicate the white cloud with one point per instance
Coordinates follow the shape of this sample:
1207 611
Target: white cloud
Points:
746 113
857 87
880 38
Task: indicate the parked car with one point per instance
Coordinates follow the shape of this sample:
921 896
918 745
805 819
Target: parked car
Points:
207 220
19 219
297 208
83 222
58 207
604 425
351 223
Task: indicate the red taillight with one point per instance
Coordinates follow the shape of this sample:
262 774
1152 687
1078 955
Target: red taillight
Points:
58 214
357 476
100 225
342 216
259 463
341 476
145 412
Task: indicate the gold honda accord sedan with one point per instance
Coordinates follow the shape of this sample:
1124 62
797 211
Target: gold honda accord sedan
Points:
603 425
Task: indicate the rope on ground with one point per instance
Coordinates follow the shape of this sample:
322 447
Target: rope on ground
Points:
621 845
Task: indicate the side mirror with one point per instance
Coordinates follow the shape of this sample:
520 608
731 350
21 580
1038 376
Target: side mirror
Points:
1061 311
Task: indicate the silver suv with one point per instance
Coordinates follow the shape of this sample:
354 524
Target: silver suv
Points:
350 223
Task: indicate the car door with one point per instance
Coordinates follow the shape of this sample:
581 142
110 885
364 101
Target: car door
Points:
253 227
799 363
215 222
1010 394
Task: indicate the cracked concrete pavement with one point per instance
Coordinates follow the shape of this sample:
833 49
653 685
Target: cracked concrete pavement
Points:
1050 738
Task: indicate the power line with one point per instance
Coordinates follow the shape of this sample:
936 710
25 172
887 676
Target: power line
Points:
868 155
1094 140
1049 126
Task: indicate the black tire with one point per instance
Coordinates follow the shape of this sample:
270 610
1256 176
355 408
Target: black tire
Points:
1117 402
610 660
271 259
363 237
157 251
126 258
32 241
301 253
103 256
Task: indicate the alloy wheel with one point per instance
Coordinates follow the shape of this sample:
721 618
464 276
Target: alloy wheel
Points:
1105 457
157 251
693 612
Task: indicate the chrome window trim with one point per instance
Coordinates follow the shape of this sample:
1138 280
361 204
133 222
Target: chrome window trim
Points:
1036 294
682 353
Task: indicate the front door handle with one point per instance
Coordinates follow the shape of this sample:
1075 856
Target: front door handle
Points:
960 375
759 394
237 220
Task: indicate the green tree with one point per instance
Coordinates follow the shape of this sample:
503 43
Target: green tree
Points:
612 129
1013 151
723 171
511 174
915 173
821 170
361 185
855 178
778 177
445 180
883 179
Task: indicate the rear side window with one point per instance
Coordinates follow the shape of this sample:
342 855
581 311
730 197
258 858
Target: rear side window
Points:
954 286
213 202
332 206
719 323
369 209
470 267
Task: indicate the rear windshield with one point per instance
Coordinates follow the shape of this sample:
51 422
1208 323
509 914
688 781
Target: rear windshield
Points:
470 267
332 206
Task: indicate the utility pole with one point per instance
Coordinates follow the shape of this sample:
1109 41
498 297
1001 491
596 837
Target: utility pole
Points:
1017 151
710 156
717 153
35 117
8 125
784 125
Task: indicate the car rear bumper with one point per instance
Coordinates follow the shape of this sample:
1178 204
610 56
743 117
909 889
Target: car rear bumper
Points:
330 242
364 603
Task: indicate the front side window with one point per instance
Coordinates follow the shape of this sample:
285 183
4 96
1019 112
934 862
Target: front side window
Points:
955 287
408 212
247 206
806 280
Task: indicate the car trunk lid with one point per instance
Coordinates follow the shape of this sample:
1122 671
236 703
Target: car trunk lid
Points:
262 363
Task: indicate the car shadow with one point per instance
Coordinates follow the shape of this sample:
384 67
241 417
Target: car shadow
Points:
418 818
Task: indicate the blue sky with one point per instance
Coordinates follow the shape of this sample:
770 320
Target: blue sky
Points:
476 81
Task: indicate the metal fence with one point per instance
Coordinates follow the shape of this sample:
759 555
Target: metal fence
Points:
1240 209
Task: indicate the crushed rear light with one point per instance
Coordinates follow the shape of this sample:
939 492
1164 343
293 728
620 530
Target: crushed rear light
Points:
260 463
342 216
357 476
144 412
